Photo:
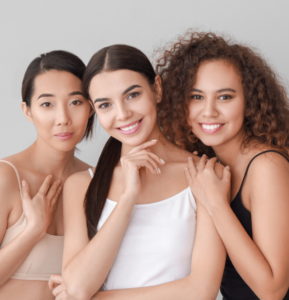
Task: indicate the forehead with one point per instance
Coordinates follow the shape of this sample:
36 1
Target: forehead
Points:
216 75
56 82
111 82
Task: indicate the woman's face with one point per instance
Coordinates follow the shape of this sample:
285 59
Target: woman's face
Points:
125 104
58 109
217 106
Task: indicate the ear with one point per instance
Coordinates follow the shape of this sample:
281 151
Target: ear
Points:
27 112
158 88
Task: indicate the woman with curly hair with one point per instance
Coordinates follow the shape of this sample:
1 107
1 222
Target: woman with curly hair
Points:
223 99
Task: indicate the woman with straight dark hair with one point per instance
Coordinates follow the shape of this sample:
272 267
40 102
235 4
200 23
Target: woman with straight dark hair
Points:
224 100
31 228
132 227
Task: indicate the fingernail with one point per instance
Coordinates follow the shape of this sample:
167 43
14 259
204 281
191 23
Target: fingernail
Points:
162 161
227 167
186 169
23 183
154 140
189 158
159 170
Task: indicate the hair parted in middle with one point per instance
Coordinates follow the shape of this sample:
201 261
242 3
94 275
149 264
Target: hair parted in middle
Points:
266 119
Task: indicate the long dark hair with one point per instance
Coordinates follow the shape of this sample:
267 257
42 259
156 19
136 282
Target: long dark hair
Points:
112 58
55 60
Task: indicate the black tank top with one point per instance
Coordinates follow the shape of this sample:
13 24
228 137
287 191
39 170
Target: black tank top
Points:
233 287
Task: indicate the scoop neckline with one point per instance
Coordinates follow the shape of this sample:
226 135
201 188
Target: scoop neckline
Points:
154 203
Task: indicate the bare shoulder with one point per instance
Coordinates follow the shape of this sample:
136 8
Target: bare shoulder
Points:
76 185
273 167
10 199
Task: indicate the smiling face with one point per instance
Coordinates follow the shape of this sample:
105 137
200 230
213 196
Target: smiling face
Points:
58 109
125 104
217 106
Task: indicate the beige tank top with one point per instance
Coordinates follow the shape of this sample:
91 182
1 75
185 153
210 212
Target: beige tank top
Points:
45 257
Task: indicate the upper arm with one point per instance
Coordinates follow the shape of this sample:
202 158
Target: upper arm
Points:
9 196
268 180
209 255
75 230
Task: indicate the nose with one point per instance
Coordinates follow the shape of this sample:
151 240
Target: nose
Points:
123 112
210 109
62 115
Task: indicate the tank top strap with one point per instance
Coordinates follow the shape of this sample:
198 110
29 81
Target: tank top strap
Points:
90 172
252 161
17 174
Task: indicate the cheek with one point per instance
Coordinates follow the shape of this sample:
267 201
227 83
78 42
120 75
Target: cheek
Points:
193 113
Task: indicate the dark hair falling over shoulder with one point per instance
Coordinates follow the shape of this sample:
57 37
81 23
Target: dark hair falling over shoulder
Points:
55 60
112 58
266 119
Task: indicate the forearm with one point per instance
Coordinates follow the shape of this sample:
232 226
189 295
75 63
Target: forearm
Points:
246 257
14 253
86 272
187 288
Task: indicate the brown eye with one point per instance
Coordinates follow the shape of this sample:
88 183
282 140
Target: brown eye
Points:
46 104
225 97
104 105
197 97
133 95
76 102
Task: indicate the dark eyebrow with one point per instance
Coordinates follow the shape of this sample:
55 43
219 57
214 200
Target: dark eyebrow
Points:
125 92
219 91
76 93
226 90
130 88
45 95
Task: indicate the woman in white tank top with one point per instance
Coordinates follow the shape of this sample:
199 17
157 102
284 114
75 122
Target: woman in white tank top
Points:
31 229
134 225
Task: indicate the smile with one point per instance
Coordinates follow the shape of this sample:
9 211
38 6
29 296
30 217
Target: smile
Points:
130 128
211 128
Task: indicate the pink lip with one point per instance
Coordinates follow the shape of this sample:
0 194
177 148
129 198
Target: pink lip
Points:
211 130
64 135
130 124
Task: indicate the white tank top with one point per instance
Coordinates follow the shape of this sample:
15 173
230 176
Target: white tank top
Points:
157 245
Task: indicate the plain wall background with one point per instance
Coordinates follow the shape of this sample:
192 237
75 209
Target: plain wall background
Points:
29 28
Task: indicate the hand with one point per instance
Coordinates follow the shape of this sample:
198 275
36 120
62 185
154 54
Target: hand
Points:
206 186
58 288
134 163
39 210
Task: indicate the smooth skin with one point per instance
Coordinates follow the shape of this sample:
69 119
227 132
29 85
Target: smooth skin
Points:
263 263
150 169
59 112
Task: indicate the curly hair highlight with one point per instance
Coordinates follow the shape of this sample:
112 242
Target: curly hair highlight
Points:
266 118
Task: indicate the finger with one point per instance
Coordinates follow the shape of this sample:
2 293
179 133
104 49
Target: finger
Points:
56 197
59 289
25 190
54 278
143 146
62 296
45 185
195 152
146 162
152 155
188 176
53 190
227 174
192 169
211 163
202 163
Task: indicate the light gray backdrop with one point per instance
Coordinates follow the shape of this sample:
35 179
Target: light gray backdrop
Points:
29 28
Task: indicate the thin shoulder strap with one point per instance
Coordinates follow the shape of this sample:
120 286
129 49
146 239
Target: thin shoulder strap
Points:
90 172
254 158
17 174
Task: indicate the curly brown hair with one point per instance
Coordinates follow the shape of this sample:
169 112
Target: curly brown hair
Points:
266 115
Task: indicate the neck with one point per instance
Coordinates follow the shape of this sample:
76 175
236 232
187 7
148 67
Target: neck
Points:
47 160
229 153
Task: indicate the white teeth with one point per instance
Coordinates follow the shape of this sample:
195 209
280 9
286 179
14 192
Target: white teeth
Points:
211 127
129 127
